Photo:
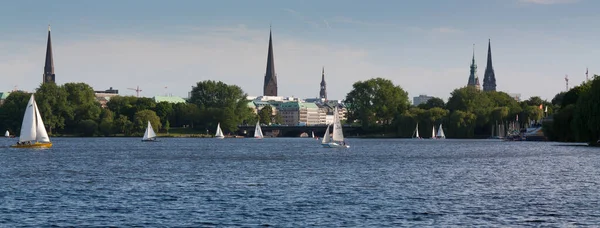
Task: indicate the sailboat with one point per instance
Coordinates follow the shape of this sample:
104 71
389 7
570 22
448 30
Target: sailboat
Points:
219 133
149 135
7 134
416 133
313 134
440 133
258 131
337 141
33 132
433 132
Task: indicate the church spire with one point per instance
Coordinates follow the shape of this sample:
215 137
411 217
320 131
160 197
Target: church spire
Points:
473 79
270 86
49 66
323 92
489 78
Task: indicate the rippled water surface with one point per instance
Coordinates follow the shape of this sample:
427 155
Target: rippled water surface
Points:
292 182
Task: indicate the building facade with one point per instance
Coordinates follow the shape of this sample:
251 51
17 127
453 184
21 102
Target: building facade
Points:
421 99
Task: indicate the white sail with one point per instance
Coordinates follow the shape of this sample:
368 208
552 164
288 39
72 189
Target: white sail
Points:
258 131
440 133
313 134
41 134
338 133
149 134
7 134
433 132
417 131
28 128
219 133
326 137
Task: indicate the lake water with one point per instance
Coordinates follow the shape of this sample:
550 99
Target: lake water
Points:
293 182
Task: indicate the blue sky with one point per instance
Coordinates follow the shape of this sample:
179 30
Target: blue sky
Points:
424 46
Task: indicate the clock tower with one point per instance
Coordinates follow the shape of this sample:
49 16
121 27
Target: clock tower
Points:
323 92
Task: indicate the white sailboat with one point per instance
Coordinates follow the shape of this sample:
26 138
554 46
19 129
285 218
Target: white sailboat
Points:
326 137
7 134
149 135
337 141
219 133
416 133
33 132
313 134
258 131
433 132
440 133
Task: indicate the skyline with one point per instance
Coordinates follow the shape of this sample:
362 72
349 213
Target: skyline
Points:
424 48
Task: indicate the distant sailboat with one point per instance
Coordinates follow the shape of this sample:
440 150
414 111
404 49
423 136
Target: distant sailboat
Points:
219 133
33 132
7 134
337 141
416 133
433 132
258 131
313 134
440 133
149 135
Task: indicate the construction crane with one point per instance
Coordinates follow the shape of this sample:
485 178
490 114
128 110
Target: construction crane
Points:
137 91
567 82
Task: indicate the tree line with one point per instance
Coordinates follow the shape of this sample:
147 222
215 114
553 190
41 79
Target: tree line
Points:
577 118
380 107
72 109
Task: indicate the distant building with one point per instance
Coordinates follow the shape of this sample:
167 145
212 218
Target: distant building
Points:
300 113
172 100
489 78
473 78
103 97
109 91
421 99
3 96
323 91
516 96
49 76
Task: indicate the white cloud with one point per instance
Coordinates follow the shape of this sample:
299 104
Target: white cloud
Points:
548 2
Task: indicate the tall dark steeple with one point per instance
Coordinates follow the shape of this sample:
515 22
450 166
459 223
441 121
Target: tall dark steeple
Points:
473 78
49 76
323 92
489 79
270 87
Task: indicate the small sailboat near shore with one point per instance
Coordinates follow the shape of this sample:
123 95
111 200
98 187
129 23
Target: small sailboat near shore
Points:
416 133
337 140
149 135
7 134
33 131
433 132
258 131
440 133
219 133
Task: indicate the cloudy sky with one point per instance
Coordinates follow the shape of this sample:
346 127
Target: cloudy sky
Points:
425 46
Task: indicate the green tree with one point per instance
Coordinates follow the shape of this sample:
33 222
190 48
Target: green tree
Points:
87 127
82 102
462 124
123 125
265 114
220 103
12 111
142 117
434 102
164 110
106 126
375 102
277 118
586 119
52 104
167 126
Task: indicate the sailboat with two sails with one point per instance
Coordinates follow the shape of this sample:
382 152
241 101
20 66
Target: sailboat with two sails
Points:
416 133
33 132
149 135
440 133
337 140
219 133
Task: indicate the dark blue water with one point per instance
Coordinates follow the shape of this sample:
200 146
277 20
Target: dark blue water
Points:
295 183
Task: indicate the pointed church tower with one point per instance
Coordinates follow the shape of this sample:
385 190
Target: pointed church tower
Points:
473 78
323 92
49 76
270 86
489 78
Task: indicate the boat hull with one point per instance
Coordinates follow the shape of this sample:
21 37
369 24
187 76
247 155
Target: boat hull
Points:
220 137
334 145
149 140
35 145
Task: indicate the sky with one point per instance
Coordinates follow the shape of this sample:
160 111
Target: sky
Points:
423 46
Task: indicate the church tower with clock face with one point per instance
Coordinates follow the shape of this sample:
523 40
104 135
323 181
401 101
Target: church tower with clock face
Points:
49 76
